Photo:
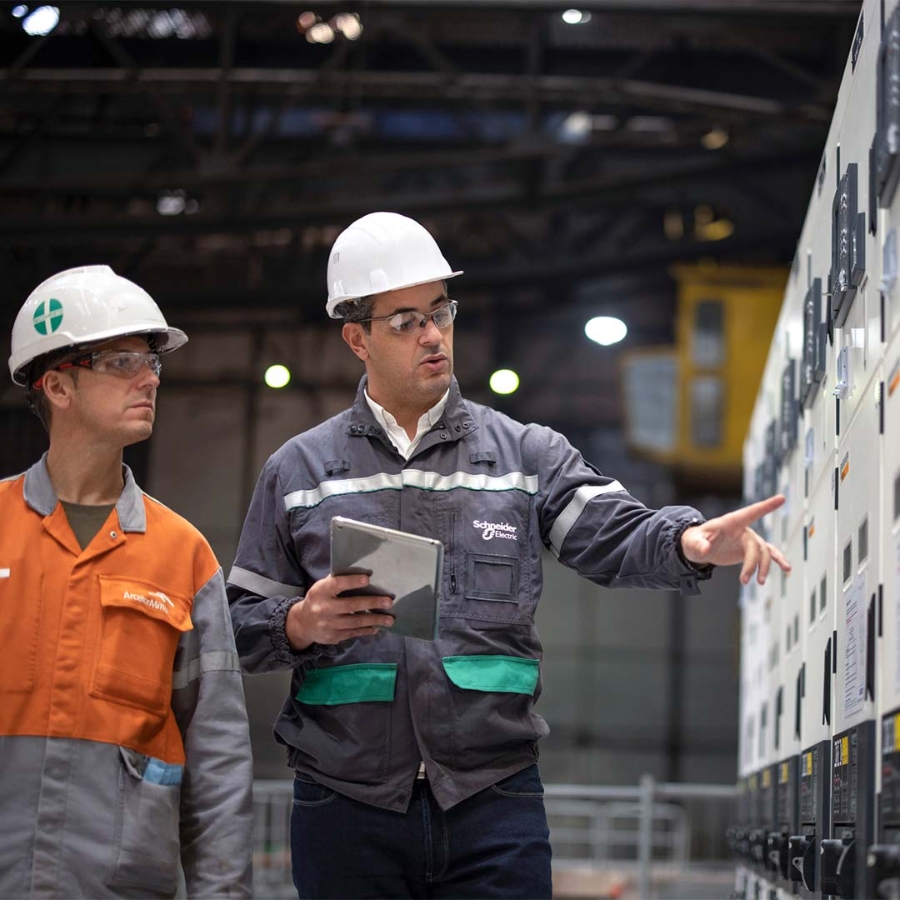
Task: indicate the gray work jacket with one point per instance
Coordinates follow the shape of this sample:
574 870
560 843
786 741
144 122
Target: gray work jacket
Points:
362 714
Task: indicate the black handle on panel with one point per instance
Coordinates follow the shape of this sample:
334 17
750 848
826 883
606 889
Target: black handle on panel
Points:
826 688
797 705
870 649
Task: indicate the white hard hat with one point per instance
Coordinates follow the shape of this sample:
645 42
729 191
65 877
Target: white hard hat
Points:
83 306
380 252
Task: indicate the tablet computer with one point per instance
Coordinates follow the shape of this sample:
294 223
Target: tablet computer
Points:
402 565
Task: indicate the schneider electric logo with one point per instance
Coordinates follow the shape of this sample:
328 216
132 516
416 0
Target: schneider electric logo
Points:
153 600
48 316
496 530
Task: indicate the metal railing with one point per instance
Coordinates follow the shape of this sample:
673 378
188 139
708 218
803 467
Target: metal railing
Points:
638 828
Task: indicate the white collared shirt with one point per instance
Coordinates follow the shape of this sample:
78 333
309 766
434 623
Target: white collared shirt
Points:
398 435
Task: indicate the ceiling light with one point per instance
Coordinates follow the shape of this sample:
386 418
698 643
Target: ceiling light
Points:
504 381
606 330
277 376
321 33
348 25
715 139
305 21
576 17
171 203
42 21
161 26
19 11
717 230
577 125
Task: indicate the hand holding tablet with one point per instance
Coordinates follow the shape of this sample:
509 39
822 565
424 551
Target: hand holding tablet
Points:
404 566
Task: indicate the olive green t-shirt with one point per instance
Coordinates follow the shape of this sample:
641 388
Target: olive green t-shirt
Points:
86 521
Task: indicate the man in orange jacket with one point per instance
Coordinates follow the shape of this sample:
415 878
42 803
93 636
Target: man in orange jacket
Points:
124 745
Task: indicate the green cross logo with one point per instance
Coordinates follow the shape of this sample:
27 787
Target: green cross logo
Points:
48 316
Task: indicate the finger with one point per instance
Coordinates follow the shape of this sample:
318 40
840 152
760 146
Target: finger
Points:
363 603
779 557
755 511
362 620
337 584
765 561
751 558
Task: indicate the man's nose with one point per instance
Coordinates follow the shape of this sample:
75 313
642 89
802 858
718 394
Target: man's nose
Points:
146 376
430 333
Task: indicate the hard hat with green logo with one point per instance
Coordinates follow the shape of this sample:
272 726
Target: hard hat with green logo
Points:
380 252
84 306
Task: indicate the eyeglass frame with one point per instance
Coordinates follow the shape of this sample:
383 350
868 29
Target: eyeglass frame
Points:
150 359
452 305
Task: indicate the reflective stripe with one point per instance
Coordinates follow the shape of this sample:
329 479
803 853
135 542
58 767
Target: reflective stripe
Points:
416 478
214 661
432 481
261 585
567 518
504 674
308 499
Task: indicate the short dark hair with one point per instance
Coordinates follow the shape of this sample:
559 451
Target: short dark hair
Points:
357 311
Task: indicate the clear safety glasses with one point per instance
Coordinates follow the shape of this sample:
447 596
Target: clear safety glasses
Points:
411 320
120 363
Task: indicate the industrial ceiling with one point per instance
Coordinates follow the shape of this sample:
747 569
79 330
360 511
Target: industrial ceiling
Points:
563 158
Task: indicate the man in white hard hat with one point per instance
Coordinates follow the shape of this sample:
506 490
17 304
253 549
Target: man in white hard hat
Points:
124 744
415 761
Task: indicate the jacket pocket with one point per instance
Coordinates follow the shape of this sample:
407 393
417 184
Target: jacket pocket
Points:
140 627
505 674
147 817
346 716
357 683
21 599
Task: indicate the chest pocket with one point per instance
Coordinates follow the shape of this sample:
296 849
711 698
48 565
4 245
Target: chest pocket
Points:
140 627
486 565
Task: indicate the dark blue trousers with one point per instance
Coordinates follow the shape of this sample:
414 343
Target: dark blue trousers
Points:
493 845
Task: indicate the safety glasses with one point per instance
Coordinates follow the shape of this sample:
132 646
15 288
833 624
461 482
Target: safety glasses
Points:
411 320
120 363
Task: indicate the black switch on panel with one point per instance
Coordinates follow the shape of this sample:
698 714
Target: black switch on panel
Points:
883 871
802 850
839 867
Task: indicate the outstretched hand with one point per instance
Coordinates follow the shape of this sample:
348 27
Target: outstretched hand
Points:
728 540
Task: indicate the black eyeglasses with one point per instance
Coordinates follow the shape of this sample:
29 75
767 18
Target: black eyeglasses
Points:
407 322
121 363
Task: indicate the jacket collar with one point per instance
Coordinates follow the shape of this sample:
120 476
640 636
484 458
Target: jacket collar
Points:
41 497
456 419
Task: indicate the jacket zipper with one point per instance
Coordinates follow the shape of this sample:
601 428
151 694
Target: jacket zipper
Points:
454 515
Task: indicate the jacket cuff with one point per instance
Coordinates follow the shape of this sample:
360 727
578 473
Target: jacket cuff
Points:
300 660
688 580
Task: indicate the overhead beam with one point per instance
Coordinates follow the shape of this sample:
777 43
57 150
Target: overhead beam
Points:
464 88
59 230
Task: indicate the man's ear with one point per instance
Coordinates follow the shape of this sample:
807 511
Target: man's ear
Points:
355 337
58 389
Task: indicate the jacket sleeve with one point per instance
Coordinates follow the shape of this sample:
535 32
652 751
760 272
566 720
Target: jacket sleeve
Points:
593 525
216 791
265 581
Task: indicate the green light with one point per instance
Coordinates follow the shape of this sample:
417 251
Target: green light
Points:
278 376
504 381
